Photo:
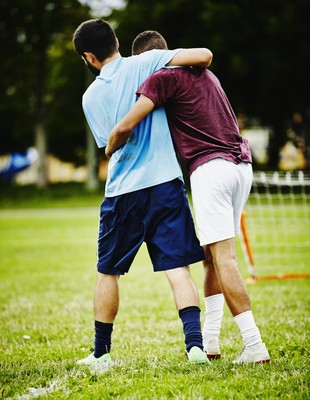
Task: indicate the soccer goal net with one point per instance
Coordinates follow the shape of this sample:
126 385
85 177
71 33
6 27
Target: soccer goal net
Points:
276 224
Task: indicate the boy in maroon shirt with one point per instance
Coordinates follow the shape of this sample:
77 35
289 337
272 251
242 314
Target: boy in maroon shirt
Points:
206 135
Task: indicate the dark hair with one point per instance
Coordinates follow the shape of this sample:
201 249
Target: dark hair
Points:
95 36
148 40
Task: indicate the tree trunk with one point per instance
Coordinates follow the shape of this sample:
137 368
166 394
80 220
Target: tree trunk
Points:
92 177
41 146
91 154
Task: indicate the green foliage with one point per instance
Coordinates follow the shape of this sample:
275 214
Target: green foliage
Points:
65 120
41 80
55 195
48 273
260 48
260 55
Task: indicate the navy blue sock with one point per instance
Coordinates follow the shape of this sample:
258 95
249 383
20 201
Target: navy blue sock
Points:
190 317
103 333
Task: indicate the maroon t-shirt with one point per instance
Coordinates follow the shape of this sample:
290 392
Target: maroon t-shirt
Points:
201 120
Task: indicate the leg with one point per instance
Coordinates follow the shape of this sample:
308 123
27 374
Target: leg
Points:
225 263
187 303
211 283
106 299
184 290
237 298
214 306
106 303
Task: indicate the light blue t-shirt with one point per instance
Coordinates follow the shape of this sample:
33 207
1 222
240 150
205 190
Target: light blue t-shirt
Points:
148 158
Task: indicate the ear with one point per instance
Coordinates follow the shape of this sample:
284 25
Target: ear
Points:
90 57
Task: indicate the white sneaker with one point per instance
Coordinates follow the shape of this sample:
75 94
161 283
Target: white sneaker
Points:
97 365
212 349
253 355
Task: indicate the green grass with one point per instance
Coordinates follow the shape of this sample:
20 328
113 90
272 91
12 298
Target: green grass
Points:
56 195
47 276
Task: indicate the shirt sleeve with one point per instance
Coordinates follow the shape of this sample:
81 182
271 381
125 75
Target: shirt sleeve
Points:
157 59
96 101
159 87
96 118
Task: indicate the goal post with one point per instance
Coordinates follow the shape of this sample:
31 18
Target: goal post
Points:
276 224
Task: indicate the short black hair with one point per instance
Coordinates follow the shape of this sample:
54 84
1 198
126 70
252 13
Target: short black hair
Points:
95 36
148 40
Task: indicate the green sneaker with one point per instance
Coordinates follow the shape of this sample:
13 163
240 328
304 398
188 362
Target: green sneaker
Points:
197 356
97 365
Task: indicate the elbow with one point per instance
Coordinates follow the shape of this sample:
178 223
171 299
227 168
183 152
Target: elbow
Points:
207 57
123 129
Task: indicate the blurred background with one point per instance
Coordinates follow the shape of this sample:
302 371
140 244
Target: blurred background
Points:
261 56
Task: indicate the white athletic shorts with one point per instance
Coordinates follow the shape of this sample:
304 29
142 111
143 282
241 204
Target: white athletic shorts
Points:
220 190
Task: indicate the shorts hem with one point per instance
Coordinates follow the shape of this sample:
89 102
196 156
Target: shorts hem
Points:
182 263
217 239
113 272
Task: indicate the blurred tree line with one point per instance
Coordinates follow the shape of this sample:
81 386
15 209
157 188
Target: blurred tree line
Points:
261 51
41 83
261 55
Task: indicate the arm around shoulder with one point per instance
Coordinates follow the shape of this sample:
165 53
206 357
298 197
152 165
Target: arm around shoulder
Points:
121 132
199 57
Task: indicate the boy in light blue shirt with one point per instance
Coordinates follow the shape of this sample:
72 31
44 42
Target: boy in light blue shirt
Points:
150 153
145 196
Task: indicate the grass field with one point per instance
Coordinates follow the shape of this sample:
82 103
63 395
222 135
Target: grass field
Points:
47 275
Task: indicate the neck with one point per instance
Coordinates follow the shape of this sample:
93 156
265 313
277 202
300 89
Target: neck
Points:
115 56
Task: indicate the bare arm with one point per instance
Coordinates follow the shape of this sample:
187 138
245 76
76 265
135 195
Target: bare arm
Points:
200 57
121 132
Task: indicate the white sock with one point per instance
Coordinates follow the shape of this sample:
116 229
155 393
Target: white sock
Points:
249 331
213 317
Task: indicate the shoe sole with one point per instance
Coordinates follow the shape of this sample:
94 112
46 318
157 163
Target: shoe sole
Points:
201 361
253 362
198 362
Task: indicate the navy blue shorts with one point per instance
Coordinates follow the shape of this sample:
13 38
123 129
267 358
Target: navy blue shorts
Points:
159 216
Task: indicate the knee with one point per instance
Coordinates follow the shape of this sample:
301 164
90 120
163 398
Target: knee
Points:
226 261
224 254
176 275
177 272
103 279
